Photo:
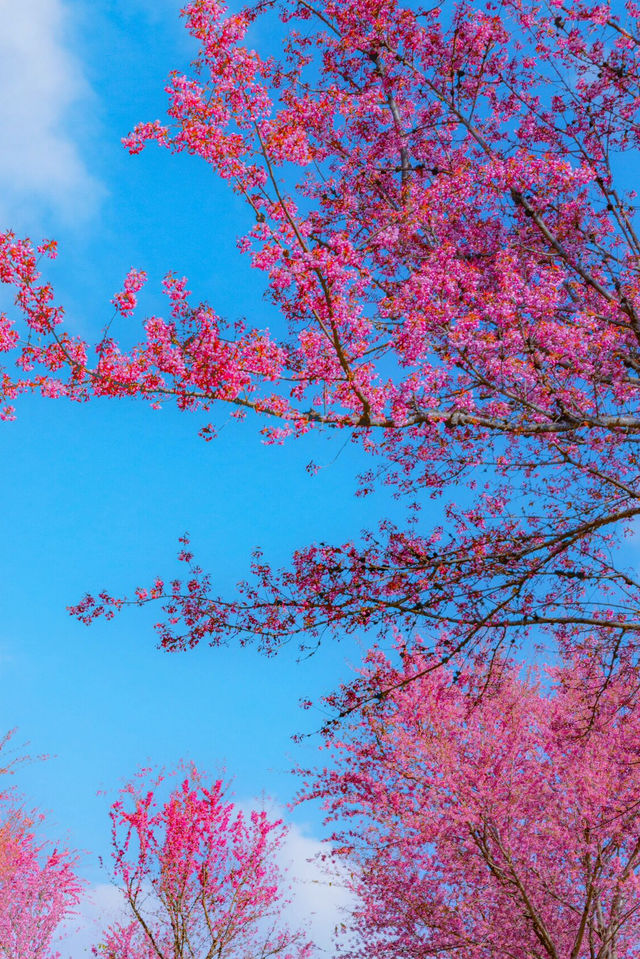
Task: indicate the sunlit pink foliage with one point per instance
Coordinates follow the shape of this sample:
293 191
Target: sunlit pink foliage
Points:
200 877
489 821
38 888
438 209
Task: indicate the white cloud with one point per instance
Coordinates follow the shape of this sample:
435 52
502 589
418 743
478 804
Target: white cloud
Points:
320 900
102 906
42 82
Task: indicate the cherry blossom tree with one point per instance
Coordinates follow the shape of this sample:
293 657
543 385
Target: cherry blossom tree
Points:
38 887
481 822
199 876
439 204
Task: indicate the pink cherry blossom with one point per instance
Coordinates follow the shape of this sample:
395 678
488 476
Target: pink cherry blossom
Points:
199 876
434 200
491 818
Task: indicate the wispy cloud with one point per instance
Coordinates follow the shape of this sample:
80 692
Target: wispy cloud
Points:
102 906
42 82
320 900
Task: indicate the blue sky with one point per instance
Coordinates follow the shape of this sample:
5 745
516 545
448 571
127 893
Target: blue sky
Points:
97 495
